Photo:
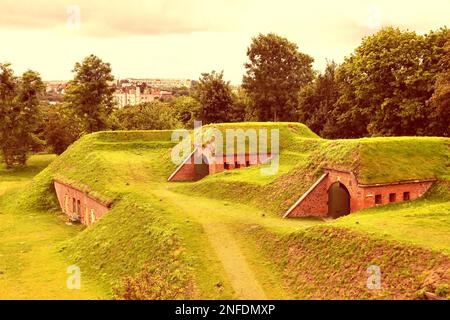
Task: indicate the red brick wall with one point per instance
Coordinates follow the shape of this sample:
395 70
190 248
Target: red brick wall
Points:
361 196
248 161
186 172
415 189
90 208
315 204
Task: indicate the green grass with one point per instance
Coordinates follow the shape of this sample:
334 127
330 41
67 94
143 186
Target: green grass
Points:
330 262
30 265
374 160
13 178
424 222
205 236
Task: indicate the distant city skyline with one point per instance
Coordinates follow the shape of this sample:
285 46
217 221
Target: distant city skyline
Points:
117 78
177 39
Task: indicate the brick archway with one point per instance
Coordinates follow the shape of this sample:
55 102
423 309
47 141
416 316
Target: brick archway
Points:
338 200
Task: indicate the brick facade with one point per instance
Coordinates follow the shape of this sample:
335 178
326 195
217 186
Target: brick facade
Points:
187 170
314 202
78 205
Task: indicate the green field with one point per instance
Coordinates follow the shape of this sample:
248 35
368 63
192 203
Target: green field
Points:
223 236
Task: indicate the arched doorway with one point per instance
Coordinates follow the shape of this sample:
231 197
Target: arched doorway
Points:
338 200
202 169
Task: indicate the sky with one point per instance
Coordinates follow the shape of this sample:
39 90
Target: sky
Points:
182 39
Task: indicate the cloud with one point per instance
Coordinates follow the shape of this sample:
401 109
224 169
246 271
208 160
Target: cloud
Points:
104 18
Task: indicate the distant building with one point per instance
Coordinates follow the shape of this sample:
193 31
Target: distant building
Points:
55 86
157 83
131 96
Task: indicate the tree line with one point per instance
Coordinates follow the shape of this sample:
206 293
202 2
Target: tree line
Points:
394 83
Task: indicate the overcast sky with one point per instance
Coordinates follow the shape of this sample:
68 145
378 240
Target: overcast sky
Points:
181 39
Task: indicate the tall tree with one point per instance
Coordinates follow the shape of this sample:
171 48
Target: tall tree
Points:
242 107
317 100
61 127
439 102
19 113
214 95
385 83
90 93
276 72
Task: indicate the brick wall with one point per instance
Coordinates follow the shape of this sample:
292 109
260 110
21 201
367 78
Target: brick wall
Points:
414 189
74 201
186 171
315 203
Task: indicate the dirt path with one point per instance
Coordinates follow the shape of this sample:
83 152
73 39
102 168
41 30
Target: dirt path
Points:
222 239
235 264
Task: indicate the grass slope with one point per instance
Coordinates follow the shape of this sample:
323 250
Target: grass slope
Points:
30 264
374 160
332 263
191 240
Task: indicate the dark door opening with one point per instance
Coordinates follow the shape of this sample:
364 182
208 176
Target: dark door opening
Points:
338 200
201 169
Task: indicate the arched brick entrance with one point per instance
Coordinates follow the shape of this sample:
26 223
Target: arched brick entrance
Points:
338 200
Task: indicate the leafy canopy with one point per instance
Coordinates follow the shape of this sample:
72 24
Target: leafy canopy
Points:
90 94
19 113
276 71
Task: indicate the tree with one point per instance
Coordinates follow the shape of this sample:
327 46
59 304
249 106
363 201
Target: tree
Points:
242 108
276 72
154 115
439 102
62 127
90 93
316 100
186 109
214 95
385 83
19 114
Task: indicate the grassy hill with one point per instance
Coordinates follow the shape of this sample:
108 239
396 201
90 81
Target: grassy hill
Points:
374 160
222 237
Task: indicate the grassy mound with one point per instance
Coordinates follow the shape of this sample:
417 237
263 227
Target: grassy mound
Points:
334 263
146 247
132 240
134 237
374 160
104 164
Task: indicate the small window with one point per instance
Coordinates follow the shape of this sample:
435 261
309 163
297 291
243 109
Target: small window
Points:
74 205
392 197
226 166
378 199
406 196
247 163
